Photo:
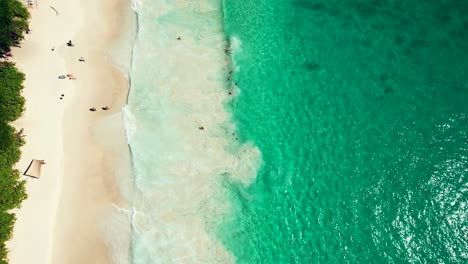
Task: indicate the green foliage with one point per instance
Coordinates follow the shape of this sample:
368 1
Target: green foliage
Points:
13 22
11 102
12 190
7 220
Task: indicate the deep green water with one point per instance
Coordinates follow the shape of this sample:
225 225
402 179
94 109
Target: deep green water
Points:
360 110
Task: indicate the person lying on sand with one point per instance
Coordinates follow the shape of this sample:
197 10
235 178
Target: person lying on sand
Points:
81 59
105 108
92 109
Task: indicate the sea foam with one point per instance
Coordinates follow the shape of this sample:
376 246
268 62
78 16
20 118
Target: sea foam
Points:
182 139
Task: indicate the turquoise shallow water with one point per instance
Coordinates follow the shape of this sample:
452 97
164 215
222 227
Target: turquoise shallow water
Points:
360 111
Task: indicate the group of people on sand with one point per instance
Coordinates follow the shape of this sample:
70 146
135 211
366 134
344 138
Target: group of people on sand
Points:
105 108
70 76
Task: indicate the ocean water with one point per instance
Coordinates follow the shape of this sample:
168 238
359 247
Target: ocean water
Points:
341 135
360 111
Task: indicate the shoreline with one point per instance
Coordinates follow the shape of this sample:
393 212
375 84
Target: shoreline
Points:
180 141
61 218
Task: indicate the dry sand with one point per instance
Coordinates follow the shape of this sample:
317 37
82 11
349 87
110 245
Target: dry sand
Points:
58 223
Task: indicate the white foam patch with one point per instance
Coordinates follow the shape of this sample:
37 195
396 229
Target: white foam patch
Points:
135 5
128 122
116 228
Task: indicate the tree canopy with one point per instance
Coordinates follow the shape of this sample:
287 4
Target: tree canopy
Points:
13 22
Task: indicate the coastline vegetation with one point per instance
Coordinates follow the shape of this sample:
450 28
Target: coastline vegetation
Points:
13 23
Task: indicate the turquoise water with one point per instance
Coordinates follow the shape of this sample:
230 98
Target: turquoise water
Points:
360 111
345 139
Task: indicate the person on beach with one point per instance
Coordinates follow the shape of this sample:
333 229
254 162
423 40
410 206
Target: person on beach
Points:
81 59
70 44
178 38
201 127
105 108
92 109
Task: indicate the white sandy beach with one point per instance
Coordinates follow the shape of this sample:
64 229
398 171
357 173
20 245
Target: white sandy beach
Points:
58 223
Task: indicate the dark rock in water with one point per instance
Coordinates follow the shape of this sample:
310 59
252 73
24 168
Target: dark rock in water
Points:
383 77
310 6
388 90
312 66
316 7
399 40
418 43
